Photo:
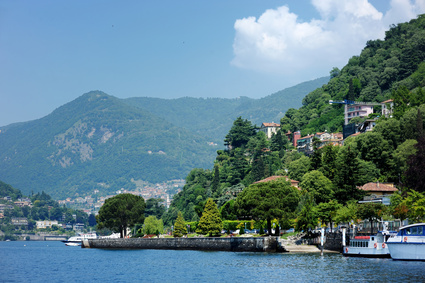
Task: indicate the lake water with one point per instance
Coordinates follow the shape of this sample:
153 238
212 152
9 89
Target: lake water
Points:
54 262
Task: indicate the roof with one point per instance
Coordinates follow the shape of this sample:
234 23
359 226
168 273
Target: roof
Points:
274 178
387 101
270 125
307 137
378 187
355 135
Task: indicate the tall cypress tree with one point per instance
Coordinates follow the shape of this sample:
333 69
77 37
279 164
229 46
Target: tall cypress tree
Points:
215 186
415 177
347 177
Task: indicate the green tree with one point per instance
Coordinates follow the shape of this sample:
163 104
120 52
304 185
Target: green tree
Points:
316 157
318 186
390 130
334 72
415 202
326 211
368 172
228 211
307 219
415 177
373 147
347 213
267 201
152 225
240 133
179 226
279 142
398 207
401 98
401 155
215 185
155 207
299 167
121 212
329 158
409 122
92 220
370 211
210 223
239 166
347 177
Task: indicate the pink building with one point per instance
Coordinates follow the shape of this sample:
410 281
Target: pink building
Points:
357 110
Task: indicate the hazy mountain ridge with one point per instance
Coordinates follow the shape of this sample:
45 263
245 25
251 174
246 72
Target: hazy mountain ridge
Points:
213 117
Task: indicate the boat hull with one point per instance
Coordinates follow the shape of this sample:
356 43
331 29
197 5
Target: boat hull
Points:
409 243
407 251
366 252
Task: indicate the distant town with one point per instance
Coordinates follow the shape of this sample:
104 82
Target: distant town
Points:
91 204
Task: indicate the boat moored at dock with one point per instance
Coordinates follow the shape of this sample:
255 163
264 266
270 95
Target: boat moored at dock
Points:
369 246
409 243
77 240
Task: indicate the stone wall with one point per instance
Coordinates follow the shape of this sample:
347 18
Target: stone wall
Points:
237 244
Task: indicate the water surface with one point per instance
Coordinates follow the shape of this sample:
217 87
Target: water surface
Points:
54 262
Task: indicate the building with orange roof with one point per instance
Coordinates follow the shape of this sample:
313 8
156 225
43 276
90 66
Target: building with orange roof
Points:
269 129
378 192
274 178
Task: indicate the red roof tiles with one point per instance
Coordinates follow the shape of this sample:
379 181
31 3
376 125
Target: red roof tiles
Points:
378 187
274 178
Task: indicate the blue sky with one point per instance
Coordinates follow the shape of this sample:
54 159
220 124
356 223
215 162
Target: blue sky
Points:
51 52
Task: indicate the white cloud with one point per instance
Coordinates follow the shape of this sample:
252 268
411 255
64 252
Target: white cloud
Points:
277 42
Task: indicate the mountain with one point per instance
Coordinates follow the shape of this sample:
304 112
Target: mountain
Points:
213 117
97 142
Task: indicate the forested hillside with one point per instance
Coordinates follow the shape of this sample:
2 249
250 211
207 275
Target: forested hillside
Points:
394 151
212 117
41 207
383 68
97 142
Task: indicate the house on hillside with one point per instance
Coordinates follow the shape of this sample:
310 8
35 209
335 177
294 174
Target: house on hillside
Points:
269 129
357 110
387 108
46 224
293 137
329 138
305 144
362 110
274 178
378 192
19 221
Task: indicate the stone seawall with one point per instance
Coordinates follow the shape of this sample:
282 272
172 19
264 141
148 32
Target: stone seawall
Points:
235 244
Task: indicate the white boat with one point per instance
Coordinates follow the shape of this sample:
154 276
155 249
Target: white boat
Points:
79 238
112 236
409 243
370 246
73 244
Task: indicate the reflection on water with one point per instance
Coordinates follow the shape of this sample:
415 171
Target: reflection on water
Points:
53 261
